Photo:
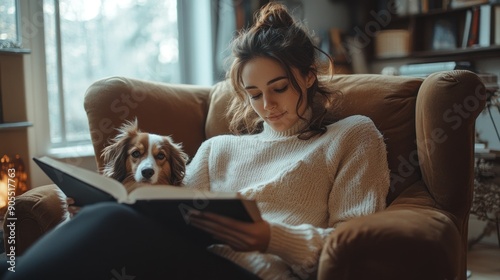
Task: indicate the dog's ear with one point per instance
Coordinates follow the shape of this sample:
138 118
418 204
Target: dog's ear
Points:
129 128
115 159
115 154
178 160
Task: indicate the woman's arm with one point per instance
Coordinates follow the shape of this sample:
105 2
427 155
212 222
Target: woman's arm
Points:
197 173
362 177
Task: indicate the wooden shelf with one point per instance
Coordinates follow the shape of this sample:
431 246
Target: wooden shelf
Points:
14 125
439 12
14 51
459 53
452 24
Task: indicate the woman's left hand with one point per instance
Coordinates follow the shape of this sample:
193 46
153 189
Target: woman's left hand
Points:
73 210
240 236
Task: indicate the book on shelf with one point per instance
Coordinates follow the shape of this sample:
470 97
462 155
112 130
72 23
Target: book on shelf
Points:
467 28
496 15
485 21
456 4
424 69
478 26
473 36
167 203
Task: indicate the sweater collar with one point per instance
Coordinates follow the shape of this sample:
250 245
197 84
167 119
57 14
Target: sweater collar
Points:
270 133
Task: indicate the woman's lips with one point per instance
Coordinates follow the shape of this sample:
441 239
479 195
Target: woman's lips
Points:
275 117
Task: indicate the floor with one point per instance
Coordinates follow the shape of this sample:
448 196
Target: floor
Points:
483 261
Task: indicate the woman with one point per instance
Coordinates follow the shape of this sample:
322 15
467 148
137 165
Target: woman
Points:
307 176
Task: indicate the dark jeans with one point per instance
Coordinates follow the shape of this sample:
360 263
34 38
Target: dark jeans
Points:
113 241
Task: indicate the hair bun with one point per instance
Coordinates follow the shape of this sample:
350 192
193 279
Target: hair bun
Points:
273 15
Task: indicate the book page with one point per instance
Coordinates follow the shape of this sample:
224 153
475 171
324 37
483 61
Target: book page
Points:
158 192
58 170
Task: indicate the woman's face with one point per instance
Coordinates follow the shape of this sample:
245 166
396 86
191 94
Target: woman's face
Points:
271 93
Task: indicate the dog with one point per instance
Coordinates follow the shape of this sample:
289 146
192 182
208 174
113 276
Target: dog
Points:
137 158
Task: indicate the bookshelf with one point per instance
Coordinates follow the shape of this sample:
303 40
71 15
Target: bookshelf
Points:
14 123
441 33
485 59
448 33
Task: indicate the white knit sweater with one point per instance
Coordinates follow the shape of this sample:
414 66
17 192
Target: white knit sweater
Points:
304 188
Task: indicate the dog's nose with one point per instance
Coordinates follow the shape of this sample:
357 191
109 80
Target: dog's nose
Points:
147 173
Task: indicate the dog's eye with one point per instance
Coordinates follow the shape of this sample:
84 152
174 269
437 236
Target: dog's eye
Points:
135 154
160 156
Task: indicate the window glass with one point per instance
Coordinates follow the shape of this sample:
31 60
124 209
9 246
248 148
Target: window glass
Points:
89 40
8 24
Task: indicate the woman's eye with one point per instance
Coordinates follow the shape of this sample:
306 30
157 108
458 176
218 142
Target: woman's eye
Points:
160 156
135 154
255 97
283 89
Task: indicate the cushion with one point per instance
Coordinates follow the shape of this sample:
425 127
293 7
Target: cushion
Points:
217 123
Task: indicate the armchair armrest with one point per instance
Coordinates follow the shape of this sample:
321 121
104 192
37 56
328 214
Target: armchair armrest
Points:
37 211
409 240
448 104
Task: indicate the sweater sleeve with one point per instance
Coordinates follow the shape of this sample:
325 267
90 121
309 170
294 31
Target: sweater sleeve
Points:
360 176
299 246
197 171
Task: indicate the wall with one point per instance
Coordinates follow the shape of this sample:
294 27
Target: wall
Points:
321 15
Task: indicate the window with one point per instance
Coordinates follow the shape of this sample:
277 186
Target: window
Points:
89 40
9 33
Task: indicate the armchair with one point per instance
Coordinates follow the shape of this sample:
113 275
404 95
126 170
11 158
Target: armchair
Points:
428 125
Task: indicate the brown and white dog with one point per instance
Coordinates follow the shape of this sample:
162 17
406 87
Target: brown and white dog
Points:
136 158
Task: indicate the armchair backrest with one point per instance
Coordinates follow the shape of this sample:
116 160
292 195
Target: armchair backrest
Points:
165 109
423 130
389 101
428 124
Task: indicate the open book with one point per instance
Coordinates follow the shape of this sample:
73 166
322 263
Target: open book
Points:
160 201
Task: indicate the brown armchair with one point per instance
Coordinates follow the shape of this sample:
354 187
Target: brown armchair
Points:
428 125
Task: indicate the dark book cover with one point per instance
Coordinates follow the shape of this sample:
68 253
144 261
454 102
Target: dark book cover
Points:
474 29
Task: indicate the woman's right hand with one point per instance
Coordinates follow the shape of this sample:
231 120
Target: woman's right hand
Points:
73 210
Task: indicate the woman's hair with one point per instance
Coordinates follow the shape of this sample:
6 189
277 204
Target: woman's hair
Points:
277 36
